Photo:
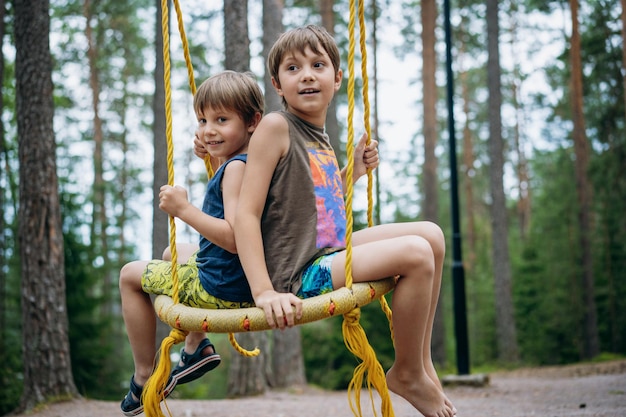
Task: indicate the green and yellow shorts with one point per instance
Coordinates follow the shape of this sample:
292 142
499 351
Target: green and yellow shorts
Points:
157 279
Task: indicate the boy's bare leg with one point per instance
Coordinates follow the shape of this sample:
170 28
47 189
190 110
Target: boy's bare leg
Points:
139 318
433 234
412 258
183 252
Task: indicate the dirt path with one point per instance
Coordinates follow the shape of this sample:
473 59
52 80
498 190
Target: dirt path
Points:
597 390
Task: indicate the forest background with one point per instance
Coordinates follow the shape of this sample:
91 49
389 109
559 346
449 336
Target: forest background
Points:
540 112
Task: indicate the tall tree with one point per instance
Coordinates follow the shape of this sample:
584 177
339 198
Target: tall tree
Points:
247 376
375 117
523 179
3 236
45 344
236 39
430 183
332 124
99 217
287 359
272 28
160 224
505 321
159 169
623 15
591 344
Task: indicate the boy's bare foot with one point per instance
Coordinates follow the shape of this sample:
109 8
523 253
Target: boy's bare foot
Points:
421 392
432 373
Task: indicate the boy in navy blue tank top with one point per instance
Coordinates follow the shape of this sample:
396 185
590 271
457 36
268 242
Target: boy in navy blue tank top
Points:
228 107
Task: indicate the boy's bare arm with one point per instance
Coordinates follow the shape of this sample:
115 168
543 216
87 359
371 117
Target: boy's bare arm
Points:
173 200
268 145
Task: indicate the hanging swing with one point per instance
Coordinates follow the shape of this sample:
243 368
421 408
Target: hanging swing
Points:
344 301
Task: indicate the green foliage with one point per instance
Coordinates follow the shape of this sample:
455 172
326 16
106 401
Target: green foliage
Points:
547 290
609 177
90 331
328 362
11 371
214 384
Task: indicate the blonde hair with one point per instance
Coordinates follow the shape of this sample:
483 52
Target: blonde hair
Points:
231 90
315 37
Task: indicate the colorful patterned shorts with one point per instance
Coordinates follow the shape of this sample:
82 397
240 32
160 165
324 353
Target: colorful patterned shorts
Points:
317 278
157 279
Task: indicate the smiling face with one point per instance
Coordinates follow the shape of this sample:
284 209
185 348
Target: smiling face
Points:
307 81
228 106
310 53
223 132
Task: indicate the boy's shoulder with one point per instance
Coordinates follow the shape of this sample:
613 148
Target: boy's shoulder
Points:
276 122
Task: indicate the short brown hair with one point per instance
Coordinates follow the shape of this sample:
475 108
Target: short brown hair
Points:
231 90
299 39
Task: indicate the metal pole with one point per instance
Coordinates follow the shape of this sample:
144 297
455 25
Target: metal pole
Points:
458 275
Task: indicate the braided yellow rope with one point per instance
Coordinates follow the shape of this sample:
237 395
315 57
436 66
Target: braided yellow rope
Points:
153 389
366 121
353 333
152 393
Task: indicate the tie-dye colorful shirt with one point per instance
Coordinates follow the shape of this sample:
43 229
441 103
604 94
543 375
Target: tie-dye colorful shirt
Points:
304 216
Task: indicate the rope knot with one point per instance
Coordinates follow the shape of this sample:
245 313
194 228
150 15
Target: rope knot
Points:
352 317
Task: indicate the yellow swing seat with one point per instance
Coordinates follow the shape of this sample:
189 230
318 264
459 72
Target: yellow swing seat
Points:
334 303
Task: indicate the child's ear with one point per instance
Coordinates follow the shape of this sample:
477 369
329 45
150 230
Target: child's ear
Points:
276 85
254 123
338 78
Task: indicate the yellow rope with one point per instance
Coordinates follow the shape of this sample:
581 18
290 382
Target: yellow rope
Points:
353 333
366 121
354 336
153 389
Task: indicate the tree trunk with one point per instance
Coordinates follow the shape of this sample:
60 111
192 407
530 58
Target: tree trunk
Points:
505 321
160 239
375 118
469 160
523 180
624 50
287 362
287 359
332 124
99 217
247 376
160 220
3 180
591 344
236 39
430 208
272 28
45 343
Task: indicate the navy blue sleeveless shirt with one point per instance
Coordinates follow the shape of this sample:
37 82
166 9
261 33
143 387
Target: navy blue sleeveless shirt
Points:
220 271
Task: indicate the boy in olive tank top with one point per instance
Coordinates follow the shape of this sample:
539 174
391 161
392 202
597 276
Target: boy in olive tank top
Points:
290 222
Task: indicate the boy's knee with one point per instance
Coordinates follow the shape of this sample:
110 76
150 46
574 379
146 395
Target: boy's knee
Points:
130 275
434 234
419 252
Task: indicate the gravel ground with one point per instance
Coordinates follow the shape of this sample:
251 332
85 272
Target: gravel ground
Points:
597 390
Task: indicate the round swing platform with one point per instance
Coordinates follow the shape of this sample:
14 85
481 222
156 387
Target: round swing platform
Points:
335 303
